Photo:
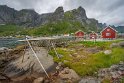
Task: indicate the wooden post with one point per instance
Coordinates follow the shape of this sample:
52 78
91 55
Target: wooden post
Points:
55 50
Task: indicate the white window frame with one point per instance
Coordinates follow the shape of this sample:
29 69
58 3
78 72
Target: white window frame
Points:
108 34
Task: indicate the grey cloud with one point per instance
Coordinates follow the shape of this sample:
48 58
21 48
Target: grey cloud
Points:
116 5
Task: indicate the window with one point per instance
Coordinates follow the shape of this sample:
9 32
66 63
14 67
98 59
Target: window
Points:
108 29
108 34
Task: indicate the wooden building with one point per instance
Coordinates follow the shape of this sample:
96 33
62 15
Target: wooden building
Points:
79 34
93 35
108 33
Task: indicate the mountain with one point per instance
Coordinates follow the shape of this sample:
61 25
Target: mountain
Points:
26 17
57 22
29 18
120 29
7 15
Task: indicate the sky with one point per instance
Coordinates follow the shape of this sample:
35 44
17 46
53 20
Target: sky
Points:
105 11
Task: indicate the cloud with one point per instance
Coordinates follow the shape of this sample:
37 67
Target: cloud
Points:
107 11
41 6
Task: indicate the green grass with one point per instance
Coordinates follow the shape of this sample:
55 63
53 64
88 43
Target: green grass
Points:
12 30
106 81
102 44
93 62
49 29
92 44
61 27
68 15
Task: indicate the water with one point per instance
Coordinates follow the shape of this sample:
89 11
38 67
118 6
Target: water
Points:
9 42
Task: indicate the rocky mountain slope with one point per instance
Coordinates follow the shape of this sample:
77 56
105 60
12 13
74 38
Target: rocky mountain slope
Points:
54 23
11 16
28 17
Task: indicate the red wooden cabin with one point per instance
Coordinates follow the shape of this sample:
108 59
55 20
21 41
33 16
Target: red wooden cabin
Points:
108 33
93 35
79 34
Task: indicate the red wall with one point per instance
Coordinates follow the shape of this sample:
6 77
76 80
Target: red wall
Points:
79 34
111 31
93 36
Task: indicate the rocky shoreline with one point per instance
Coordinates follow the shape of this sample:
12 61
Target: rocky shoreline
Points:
18 65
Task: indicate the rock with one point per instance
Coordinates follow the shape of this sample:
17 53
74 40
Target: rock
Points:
60 56
58 14
3 49
47 81
89 80
114 45
92 50
115 75
74 54
79 14
27 17
83 63
65 61
115 72
121 63
69 74
39 80
2 78
121 44
7 14
82 12
114 67
58 67
60 64
29 63
103 72
107 52
70 55
121 73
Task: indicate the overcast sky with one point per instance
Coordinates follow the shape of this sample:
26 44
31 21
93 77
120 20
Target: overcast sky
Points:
106 11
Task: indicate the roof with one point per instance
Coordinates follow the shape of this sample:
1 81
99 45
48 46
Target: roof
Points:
79 31
94 33
109 27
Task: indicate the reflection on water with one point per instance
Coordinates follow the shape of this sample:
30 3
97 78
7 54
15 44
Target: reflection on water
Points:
9 42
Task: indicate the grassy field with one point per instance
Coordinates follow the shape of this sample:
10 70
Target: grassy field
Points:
80 56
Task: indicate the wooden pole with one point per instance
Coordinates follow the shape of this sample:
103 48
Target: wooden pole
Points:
55 50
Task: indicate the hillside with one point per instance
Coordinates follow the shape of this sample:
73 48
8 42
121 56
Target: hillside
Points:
29 22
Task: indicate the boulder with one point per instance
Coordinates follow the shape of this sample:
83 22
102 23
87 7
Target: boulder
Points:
89 80
69 74
29 64
60 56
3 49
107 52
114 45
115 75
39 80
103 72
92 50
65 61
121 44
